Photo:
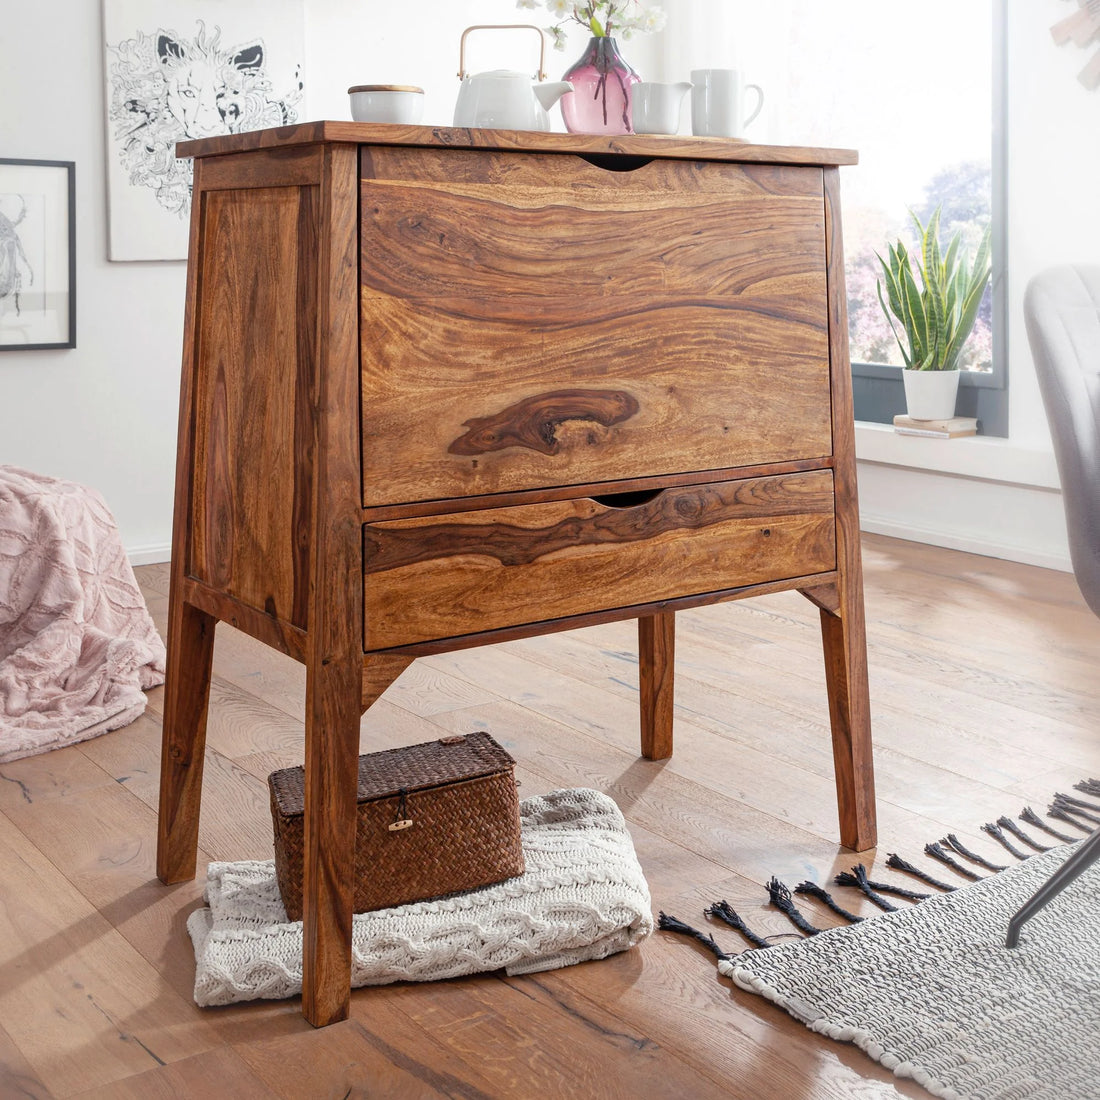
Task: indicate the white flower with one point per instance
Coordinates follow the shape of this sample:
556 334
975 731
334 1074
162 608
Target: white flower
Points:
527 3
559 38
559 9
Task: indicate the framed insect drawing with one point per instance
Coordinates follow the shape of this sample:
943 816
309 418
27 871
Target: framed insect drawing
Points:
37 254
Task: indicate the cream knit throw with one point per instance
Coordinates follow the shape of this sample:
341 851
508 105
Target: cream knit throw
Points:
583 896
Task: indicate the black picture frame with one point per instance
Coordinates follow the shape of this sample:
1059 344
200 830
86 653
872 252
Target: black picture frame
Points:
37 254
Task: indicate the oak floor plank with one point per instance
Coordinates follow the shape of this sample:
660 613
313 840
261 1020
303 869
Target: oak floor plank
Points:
216 1073
520 1045
83 1007
984 699
381 1052
17 1077
50 776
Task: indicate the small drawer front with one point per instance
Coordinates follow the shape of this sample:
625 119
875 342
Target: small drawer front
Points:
530 321
450 575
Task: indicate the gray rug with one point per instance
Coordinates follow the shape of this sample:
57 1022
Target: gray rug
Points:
932 993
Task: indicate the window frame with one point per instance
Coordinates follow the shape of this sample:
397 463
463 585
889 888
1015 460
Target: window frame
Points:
877 388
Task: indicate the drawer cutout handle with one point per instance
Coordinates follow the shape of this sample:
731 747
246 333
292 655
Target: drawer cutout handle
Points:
615 162
628 500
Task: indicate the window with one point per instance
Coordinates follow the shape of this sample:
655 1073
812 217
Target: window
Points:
914 89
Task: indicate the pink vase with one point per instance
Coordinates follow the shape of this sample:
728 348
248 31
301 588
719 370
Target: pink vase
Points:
602 83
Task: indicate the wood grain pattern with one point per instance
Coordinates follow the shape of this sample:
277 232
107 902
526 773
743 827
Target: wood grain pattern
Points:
187 689
190 636
595 618
459 168
614 488
534 422
444 335
692 148
656 664
255 372
334 647
431 577
461 359
267 628
843 633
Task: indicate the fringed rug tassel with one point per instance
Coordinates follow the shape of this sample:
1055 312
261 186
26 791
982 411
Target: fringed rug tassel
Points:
725 912
671 924
998 835
952 841
1088 786
1056 811
857 877
781 898
936 852
1028 815
811 889
895 862
1077 806
1016 831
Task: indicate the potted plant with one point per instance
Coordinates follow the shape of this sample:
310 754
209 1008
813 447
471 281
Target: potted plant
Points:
935 317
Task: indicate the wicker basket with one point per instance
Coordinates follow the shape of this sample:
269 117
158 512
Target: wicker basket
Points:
432 819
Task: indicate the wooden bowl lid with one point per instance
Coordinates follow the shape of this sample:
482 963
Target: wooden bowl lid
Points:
385 88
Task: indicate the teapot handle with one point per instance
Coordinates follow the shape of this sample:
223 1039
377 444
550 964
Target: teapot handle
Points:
501 27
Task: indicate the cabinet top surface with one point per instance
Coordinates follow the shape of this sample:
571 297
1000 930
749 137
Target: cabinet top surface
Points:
645 145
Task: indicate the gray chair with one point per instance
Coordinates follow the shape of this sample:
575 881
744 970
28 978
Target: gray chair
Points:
1062 312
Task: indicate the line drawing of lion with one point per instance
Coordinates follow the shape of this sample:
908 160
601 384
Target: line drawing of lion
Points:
167 88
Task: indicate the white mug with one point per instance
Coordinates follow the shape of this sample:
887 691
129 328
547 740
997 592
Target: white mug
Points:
655 108
718 103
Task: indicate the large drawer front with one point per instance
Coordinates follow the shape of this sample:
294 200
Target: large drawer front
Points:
449 575
537 320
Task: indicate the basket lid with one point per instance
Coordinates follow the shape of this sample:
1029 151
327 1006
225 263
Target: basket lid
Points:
411 768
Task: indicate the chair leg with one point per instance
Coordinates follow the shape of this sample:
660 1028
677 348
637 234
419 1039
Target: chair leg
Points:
1087 853
656 659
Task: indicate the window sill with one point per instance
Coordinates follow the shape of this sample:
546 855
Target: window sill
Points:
985 458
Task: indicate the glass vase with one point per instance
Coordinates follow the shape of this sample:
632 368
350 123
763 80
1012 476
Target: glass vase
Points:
602 83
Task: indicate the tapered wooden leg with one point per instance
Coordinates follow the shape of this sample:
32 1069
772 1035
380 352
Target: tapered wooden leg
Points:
843 639
331 766
183 739
656 660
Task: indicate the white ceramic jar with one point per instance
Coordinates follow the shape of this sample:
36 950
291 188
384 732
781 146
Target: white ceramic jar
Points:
400 103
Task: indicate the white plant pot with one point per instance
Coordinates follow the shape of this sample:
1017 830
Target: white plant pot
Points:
930 394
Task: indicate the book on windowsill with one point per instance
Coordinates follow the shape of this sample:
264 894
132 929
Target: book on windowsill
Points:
936 429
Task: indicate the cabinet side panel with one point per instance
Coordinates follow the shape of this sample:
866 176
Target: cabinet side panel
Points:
254 436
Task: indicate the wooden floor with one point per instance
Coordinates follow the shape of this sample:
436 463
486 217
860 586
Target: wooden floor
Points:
984 698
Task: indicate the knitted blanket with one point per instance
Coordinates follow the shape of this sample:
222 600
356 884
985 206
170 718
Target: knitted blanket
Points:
77 645
582 896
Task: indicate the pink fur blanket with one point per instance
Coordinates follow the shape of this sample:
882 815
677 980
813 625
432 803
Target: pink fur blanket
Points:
77 644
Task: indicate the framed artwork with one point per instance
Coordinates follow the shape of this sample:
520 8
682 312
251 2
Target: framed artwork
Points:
37 254
182 69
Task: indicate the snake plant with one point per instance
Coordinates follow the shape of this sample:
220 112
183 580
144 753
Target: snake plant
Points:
937 316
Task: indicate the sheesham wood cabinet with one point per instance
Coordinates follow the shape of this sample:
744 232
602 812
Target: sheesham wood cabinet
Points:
445 387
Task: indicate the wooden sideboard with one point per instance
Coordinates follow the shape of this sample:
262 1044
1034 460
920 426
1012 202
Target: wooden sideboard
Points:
444 387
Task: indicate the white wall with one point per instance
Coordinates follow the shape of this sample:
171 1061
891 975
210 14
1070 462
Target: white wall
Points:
105 412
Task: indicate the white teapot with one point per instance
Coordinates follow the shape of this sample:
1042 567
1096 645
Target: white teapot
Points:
502 99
